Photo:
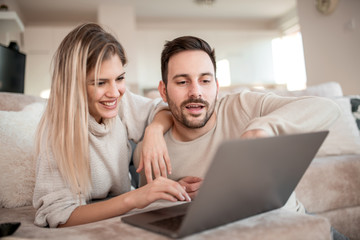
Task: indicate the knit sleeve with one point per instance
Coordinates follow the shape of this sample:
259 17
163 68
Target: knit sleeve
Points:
136 112
284 115
52 199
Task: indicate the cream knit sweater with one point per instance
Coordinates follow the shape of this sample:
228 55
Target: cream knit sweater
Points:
110 153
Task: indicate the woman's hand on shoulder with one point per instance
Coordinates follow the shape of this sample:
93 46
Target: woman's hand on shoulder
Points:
154 157
160 188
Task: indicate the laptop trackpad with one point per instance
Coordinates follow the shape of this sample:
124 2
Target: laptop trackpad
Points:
171 217
172 223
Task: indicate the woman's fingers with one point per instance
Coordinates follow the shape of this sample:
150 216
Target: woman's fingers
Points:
155 167
160 188
162 166
167 162
171 187
168 197
148 171
141 165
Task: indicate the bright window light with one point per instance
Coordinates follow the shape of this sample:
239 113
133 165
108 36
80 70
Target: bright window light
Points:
223 73
289 64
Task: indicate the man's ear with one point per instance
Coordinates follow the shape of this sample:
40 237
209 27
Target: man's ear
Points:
217 87
162 90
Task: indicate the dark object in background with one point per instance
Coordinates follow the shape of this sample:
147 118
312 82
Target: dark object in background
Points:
355 104
3 7
12 69
7 229
355 108
14 46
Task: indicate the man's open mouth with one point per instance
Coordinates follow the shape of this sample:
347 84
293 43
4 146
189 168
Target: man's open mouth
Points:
194 106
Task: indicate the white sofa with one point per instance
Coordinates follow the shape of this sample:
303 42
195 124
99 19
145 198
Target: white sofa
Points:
330 188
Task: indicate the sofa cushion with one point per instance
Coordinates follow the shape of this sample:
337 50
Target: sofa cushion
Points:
17 165
350 227
344 137
330 183
274 225
328 89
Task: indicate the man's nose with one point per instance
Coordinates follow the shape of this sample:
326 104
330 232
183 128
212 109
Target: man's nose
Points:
195 90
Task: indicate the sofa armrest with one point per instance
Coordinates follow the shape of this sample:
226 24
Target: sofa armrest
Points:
16 101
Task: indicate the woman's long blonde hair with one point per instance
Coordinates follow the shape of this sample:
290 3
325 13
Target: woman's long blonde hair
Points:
63 128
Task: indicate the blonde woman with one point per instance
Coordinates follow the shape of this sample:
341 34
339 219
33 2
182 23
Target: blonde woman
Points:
83 149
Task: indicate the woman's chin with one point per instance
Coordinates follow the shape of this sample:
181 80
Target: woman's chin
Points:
109 117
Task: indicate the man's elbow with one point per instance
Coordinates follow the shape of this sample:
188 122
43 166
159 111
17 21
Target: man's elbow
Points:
335 109
332 107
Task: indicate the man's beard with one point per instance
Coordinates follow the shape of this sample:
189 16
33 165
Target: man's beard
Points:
182 118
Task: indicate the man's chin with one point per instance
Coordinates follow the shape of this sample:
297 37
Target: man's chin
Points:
194 124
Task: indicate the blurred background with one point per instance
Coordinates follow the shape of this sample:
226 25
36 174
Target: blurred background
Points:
285 44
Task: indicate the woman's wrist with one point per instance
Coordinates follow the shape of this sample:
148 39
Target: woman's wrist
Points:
128 201
155 128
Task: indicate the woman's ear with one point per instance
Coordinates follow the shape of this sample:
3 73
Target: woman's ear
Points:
162 90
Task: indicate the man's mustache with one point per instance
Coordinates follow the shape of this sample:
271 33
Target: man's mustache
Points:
193 100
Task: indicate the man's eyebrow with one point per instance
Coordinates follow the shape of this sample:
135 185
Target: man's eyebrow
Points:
207 74
184 75
181 76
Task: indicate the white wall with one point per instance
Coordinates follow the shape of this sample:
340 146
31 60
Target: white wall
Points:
247 45
332 44
40 44
249 53
120 21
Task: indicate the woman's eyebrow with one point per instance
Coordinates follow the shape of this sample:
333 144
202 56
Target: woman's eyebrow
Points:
106 79
121 75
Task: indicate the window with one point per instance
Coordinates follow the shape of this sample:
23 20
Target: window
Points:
289 64
223 73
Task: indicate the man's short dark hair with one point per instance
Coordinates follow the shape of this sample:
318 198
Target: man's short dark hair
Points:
182 44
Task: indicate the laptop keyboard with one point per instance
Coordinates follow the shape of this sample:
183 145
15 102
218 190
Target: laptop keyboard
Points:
172 223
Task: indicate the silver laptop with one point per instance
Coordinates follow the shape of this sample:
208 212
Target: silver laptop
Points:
245 178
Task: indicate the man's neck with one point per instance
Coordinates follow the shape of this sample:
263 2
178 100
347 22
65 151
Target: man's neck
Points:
185 134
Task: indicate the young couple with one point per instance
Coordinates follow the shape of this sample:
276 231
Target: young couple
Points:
83 149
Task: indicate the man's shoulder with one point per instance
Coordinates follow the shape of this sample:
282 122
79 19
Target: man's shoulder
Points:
231 98
244 97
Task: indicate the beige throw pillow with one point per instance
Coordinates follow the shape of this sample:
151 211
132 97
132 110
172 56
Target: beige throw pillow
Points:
344 136
17 165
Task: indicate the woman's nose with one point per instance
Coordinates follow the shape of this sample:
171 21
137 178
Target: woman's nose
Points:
113 90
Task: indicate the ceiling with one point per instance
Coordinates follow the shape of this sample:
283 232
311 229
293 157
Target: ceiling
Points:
52 11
